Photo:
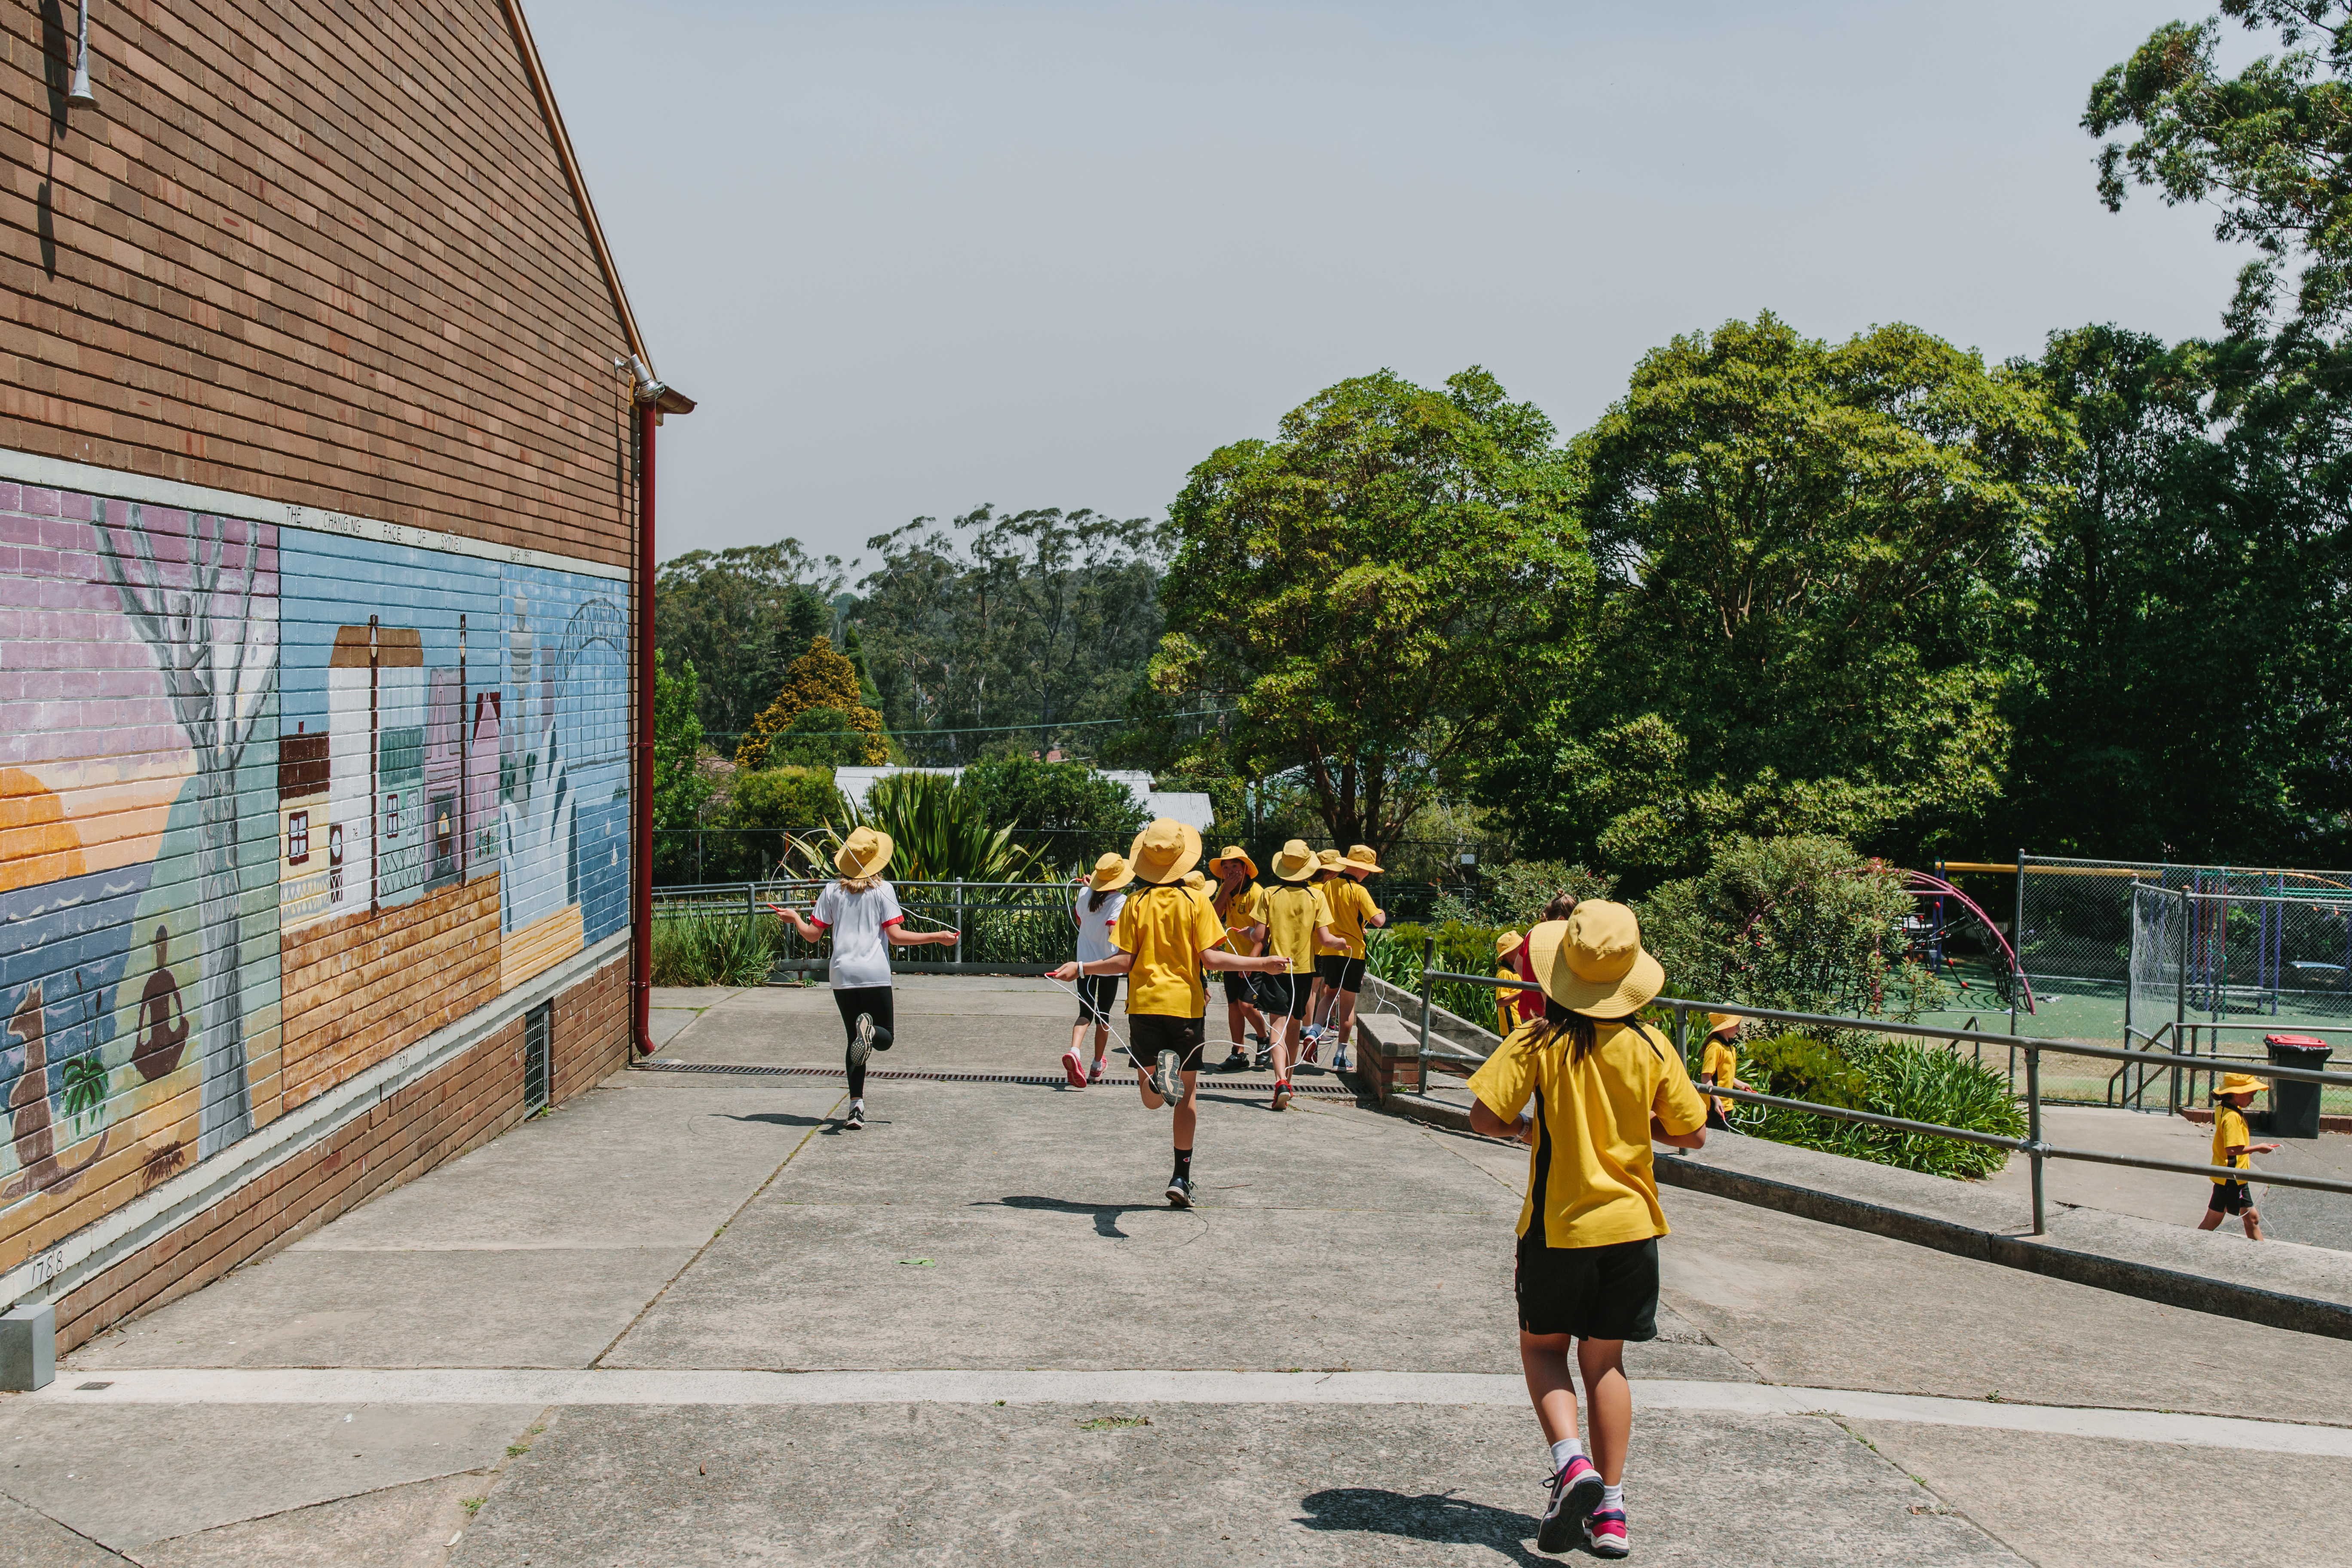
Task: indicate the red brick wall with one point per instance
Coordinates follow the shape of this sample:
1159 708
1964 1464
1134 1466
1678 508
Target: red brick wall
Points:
459 1108
315 254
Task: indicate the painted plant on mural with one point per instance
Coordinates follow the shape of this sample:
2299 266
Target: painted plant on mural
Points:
274 804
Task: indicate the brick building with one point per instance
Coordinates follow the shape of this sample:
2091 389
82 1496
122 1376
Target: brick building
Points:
321 547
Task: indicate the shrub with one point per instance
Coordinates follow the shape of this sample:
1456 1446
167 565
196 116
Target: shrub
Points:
702 947
1800 923
1394 954
766 809
1890 1077
1067 811
941 833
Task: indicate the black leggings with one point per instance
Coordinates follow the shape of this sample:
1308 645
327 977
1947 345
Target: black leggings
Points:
875 1002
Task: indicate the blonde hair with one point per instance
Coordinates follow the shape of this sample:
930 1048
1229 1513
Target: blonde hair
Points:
857 884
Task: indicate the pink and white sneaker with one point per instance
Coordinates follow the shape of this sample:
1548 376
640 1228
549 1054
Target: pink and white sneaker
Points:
1096 1074
1074 1067
1576 1491
1605 1531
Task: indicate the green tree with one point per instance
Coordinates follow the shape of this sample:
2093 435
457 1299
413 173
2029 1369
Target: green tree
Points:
765 812
2272 146
2189 653
742 617
1800 923
1067 811
680 789
819 678
938 833
1812 562
820 738
1374 589
1040 619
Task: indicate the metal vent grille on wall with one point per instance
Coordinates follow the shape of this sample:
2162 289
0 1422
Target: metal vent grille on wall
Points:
538 1027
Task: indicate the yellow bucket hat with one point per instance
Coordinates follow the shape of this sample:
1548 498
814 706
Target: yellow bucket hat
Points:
1593 963
864 853
2239 1083
1165 850
1194 878
1228 854
1112 873
1506 943
1360 857
1328 860
1717 1022
1294 862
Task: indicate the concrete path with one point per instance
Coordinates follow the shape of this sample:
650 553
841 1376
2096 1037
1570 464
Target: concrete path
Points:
685 1318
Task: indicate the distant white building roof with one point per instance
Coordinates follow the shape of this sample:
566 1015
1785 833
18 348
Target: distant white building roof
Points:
1186 807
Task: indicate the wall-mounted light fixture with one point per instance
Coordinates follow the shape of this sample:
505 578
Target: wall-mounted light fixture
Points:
80 92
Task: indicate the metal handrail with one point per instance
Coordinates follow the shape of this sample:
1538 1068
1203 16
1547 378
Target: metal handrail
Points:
2033 1146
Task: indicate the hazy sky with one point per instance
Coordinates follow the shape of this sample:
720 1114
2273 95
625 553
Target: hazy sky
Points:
913 257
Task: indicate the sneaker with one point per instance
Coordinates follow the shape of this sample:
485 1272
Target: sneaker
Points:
1307 1044
1265 1059
875 1037
1238 1062
1575 1493
1340 1061
1073 1068
1605 1531
1262 1041
1168 1080
1180 1191
1095 1073
861 1042
1282 1095
854 1120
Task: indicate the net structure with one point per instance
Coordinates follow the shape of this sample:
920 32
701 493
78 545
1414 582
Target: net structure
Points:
2210 973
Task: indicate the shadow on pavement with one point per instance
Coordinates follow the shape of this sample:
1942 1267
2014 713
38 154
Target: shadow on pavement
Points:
780 1119
1431 1516
1106 1216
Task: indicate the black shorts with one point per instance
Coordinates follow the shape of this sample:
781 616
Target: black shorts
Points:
1340 973
1241 985
1149 1034
1592 1292
1284 995
1096 995
2229 1197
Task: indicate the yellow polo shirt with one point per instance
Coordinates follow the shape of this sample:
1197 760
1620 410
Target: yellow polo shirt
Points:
1351 906
1248 909
1506 1017
2230 1133
1292 912
1591 1182
1167 928
1719 1066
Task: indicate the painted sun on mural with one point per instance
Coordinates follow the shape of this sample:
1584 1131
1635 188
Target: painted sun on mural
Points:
255 781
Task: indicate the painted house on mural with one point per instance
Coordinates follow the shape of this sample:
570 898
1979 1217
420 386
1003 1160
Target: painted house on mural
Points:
325 466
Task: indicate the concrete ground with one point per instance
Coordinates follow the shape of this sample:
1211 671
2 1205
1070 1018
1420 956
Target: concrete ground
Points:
686 1319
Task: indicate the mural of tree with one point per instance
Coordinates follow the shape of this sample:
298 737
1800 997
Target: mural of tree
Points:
195 607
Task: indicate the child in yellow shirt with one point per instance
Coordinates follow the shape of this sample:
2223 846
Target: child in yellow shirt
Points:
1604 1087
1720 1065
1506 997
2233 1148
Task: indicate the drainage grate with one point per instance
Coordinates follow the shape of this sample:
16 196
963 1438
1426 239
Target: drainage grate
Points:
932 1075
536 1026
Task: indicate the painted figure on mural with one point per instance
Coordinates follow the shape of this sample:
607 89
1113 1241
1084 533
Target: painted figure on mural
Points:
30 1121
162 1023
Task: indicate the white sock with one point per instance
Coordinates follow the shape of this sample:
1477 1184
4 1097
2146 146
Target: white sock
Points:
1564 1450
859 1102
1613 1497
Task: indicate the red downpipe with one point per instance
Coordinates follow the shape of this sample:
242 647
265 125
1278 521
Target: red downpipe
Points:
641 886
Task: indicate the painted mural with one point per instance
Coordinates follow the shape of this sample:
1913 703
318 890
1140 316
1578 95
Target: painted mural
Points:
274 804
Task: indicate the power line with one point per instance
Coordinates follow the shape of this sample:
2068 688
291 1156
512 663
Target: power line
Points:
969 729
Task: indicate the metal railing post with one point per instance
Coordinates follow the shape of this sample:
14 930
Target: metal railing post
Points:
1421 1057
2033 1133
